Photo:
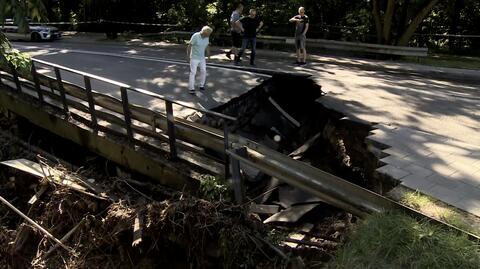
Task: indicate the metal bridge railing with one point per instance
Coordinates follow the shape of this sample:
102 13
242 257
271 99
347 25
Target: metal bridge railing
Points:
130 112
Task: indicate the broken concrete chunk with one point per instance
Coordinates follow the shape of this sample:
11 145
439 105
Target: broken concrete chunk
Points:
289 196
264 209
292 214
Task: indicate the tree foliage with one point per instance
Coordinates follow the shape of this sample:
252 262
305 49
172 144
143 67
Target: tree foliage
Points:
21 11
394 22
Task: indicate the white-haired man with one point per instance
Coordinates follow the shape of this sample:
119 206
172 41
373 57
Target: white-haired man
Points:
198 47
302 23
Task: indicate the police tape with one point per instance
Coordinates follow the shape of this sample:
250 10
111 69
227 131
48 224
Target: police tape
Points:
324 26
109 22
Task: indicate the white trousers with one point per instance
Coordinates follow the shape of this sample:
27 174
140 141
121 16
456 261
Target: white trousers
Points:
194 64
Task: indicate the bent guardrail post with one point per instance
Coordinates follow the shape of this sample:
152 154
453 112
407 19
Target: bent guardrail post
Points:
171 129
226 147
237 182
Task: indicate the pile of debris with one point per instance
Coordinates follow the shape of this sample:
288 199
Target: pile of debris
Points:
52 218
283 113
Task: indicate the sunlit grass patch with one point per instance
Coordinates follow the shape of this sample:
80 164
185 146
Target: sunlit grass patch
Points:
438 210
393 240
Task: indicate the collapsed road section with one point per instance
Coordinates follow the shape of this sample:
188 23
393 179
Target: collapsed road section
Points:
275 133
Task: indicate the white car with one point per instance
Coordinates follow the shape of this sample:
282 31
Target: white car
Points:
35 33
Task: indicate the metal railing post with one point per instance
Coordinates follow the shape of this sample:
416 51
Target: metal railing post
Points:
91 102
226 147
171 129
61 89
154 123
15 78
126 112
37 83
238 184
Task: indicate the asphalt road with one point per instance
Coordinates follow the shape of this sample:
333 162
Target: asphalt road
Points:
149 69
385 92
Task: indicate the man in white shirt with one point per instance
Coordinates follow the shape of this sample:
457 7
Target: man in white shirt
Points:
197 48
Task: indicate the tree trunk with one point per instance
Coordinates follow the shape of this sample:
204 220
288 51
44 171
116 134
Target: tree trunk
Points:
378 22
412 27
387 24
404 16
459 5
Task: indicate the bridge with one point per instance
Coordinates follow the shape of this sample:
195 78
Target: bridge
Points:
163 146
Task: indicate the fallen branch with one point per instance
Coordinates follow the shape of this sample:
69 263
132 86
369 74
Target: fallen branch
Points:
274 248
64 238
310 243
29 220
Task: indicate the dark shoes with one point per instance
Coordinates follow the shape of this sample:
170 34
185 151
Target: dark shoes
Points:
192 92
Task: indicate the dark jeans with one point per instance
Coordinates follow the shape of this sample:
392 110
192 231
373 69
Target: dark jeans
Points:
245 42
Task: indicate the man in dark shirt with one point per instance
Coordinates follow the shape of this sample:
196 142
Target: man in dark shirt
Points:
249 26
235 31
302 22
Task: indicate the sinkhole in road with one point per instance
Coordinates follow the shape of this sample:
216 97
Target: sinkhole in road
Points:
284 113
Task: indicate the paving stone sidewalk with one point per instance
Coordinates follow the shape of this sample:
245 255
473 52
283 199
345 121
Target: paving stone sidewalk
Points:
441 167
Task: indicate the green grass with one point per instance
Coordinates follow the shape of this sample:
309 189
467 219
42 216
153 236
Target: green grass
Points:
443 60
416 200
393 240
440 211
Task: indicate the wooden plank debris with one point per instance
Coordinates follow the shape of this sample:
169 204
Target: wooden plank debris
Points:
37 195
298 153
307 227
292 214
137 229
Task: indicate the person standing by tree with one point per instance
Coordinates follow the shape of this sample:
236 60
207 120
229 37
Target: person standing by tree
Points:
197 48
249 26
235 31
301 29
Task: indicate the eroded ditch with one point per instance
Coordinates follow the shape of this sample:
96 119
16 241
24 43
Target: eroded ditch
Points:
281 113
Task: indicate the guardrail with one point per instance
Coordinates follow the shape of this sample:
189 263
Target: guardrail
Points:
323 43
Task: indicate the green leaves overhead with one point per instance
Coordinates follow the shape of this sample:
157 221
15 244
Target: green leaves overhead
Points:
21 11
